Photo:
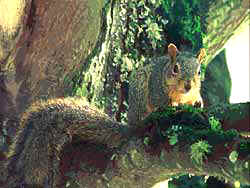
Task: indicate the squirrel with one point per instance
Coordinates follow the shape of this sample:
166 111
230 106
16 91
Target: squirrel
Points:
167 80
46 126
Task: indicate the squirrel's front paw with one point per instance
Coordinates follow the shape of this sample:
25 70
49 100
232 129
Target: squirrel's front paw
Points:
198 104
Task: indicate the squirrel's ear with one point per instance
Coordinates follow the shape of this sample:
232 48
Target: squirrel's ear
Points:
201 55
172 51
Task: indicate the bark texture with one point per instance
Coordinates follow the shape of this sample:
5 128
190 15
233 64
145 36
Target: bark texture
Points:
48 42
109 154
223 19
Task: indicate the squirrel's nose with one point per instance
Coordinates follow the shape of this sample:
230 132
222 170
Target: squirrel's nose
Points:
187 85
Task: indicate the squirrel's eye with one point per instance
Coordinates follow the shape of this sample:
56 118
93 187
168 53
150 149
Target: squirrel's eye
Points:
176 69
199 72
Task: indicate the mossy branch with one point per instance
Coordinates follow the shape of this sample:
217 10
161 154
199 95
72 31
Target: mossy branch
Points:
169 142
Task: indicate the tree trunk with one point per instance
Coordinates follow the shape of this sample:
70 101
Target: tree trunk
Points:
42 49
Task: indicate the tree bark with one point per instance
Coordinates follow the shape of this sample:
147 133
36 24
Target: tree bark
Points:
169 142
223 19
44 47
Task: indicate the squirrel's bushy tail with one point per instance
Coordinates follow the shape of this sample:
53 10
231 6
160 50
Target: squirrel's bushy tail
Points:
46 127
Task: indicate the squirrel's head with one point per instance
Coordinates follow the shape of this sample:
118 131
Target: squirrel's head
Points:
183 73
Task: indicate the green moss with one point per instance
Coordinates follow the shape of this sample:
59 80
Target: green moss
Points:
146 141
187 125
165 112
199 151
173 139
244 148
233 156
187 181
191 109
215 124
230 112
